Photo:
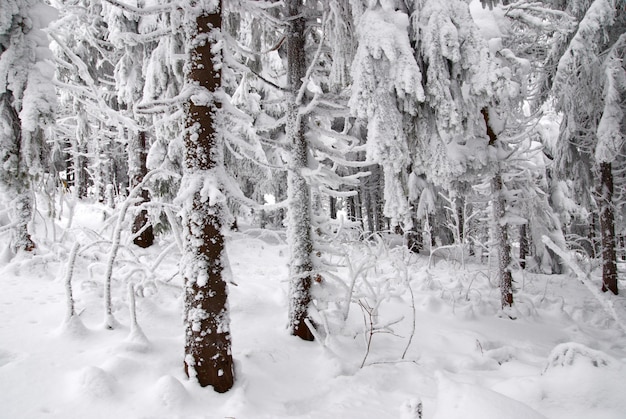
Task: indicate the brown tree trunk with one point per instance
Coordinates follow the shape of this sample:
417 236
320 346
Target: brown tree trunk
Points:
137 167
208 355
607 230
301 263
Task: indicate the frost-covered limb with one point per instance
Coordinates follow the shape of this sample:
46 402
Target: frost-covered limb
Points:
147 10
260 8
133 39
354 272
314 61
109 321
69 273
607 304
253 159
538 16
264 232
8 227
136 333
146 227
335 193
234 192
95 92
405 273
164 253
161 105
368 320
173 221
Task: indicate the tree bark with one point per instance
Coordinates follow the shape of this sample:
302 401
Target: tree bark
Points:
500 227
502 238
81 177
523 245
137 168
301 244
208 355
14 175
460 219
607 227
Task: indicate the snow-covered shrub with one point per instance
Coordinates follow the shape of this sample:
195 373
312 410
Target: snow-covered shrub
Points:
571 354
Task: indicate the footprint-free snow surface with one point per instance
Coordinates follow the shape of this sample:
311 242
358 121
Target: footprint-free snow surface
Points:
438 341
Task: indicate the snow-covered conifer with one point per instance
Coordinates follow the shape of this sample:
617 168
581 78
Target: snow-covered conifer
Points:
27 104
387 84
588 85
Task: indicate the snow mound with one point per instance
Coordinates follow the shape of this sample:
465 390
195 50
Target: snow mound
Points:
170 392
6 357
572 354
136 341
464 401
73 327
6 255
411 409
95 383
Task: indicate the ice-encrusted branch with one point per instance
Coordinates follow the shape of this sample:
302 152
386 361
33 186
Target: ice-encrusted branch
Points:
109 320
607 304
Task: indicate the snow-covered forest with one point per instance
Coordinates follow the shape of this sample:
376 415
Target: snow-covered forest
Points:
312 209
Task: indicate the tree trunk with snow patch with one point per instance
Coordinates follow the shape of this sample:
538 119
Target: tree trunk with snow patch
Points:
137 170
300 242
208 355
607 227
14 173
501 234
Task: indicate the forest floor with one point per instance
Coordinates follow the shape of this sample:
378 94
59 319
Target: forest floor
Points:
437 335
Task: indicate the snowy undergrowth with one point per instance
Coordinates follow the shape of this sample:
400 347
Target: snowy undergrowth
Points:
563 356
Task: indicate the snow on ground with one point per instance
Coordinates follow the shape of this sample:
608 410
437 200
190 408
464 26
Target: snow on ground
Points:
563 357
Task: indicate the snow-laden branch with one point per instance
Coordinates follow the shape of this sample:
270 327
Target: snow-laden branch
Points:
109 320
258 8
161 105
234 63
607 304
94 92
535 15
245 51
337 194
244 154
314 61
583 44
233 191
132 39
145 11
